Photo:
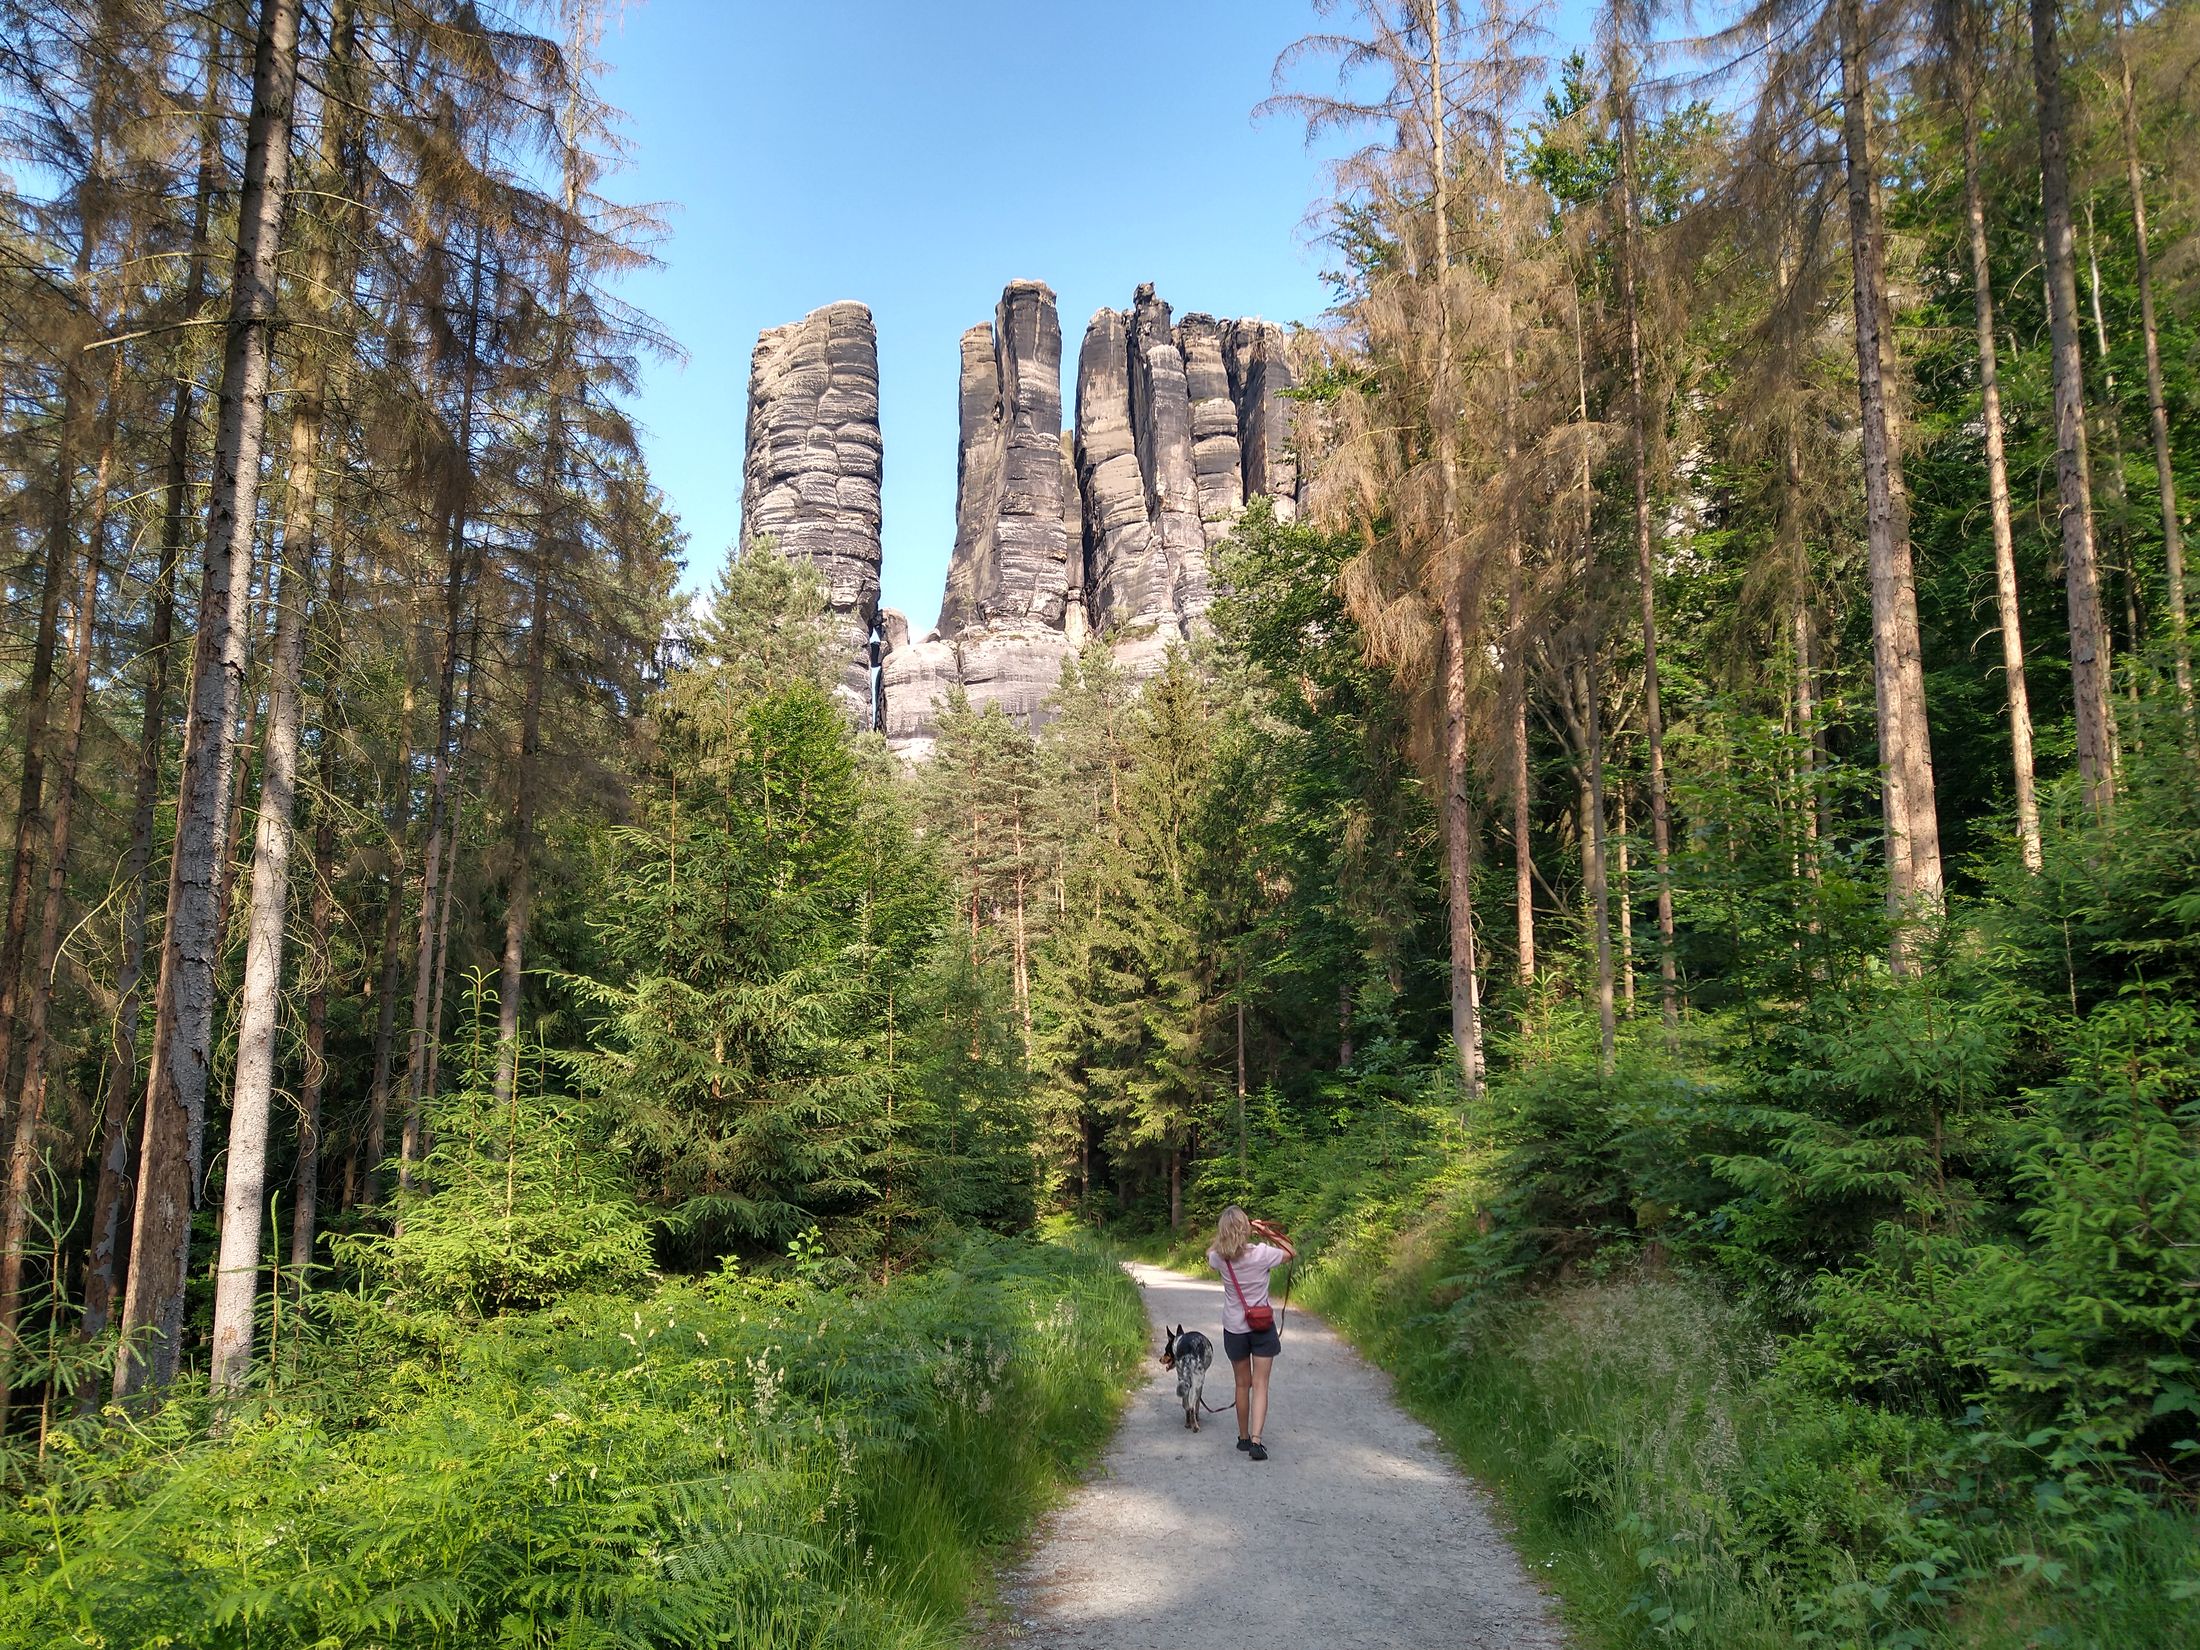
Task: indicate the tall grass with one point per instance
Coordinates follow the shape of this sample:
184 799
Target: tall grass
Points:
1676 1489
763 1464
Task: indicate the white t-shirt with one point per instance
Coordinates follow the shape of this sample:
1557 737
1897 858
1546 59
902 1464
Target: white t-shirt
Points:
1252 1270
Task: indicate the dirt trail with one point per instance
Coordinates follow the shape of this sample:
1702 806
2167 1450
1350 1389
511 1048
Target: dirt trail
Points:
1356 1534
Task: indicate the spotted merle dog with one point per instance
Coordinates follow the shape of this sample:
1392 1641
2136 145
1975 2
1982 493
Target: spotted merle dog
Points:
1190 1354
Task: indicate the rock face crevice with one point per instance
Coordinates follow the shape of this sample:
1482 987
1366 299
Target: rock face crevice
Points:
1107 529
810 475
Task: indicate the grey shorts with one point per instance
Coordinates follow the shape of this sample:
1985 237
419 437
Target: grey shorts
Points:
1238 1347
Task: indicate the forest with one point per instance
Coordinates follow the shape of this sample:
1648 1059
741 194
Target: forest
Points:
1675 869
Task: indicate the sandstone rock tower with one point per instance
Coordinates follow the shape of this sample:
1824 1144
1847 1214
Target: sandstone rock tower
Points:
810 478
1108 530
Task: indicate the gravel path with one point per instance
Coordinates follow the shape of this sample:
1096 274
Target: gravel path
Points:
1363 1536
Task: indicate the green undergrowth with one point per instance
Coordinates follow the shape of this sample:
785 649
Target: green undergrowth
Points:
1676 1481
781 1462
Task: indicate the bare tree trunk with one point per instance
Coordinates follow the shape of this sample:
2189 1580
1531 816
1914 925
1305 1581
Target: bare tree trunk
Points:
1466 999
1241 1065
184 1013
1997 466
2165 475
38 685
305 1179
1600 901
237 1273
2119 501
102 1275
30 1110
511 976
1898 674
1626 902
1653 718
1516 713
413 1141
372 1146
2089 658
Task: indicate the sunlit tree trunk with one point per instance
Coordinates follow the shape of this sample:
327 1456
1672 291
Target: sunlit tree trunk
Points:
1898 674
1594 854
2173 533
1458 812
111 1190
2006 605
1653 716
30 1107
2089 656
175 1104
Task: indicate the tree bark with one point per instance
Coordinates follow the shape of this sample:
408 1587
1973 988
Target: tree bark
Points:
413 1140
102 1274
1898 676
38 685
2089 656
510 976
1997 466
1653 717
1458 811
237 1273
184 1004
30 1109
2165 475
1600 900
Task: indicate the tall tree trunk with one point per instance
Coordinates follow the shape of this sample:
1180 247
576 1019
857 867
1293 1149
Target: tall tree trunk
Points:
1458 811
60 561
2105 411
1898 673
413 1140
103 1265
372 1147
1997 466
237 1273
175 1107
1600 900
511 975
2089 657
1653 716
2165 475
1626 903
1516 710
30 1109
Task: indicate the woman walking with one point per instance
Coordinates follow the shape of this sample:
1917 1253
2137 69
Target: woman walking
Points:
1248 1322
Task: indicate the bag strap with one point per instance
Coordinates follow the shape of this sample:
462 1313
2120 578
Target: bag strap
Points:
1244 1305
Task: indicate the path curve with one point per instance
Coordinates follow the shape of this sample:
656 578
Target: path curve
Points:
1367 1537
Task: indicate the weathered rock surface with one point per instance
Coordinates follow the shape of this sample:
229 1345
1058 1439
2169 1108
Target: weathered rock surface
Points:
1005 620
1110 530
810 477
1011 560
1217 466
1260 374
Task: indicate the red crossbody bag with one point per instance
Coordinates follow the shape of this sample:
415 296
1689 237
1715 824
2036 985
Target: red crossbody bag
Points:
1258 1319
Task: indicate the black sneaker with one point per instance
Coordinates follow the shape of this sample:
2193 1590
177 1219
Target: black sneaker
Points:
1257 1450
1245 1443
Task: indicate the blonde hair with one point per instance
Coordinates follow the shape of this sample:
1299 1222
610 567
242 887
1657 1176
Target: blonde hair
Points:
1232 1233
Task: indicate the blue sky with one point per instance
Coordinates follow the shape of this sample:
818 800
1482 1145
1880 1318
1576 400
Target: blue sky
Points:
917 155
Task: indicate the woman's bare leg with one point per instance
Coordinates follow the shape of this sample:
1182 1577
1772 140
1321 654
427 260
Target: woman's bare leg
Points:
1261 1367
1242 1369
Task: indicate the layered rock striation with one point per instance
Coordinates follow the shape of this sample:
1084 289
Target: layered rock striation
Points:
1109 528
810 476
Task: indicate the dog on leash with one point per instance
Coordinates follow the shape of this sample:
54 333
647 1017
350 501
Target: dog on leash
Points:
1190 1354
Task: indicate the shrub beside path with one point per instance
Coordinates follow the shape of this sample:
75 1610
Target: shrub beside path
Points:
1357 1534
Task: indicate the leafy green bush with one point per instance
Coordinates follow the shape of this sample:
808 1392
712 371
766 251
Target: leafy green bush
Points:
730 1461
